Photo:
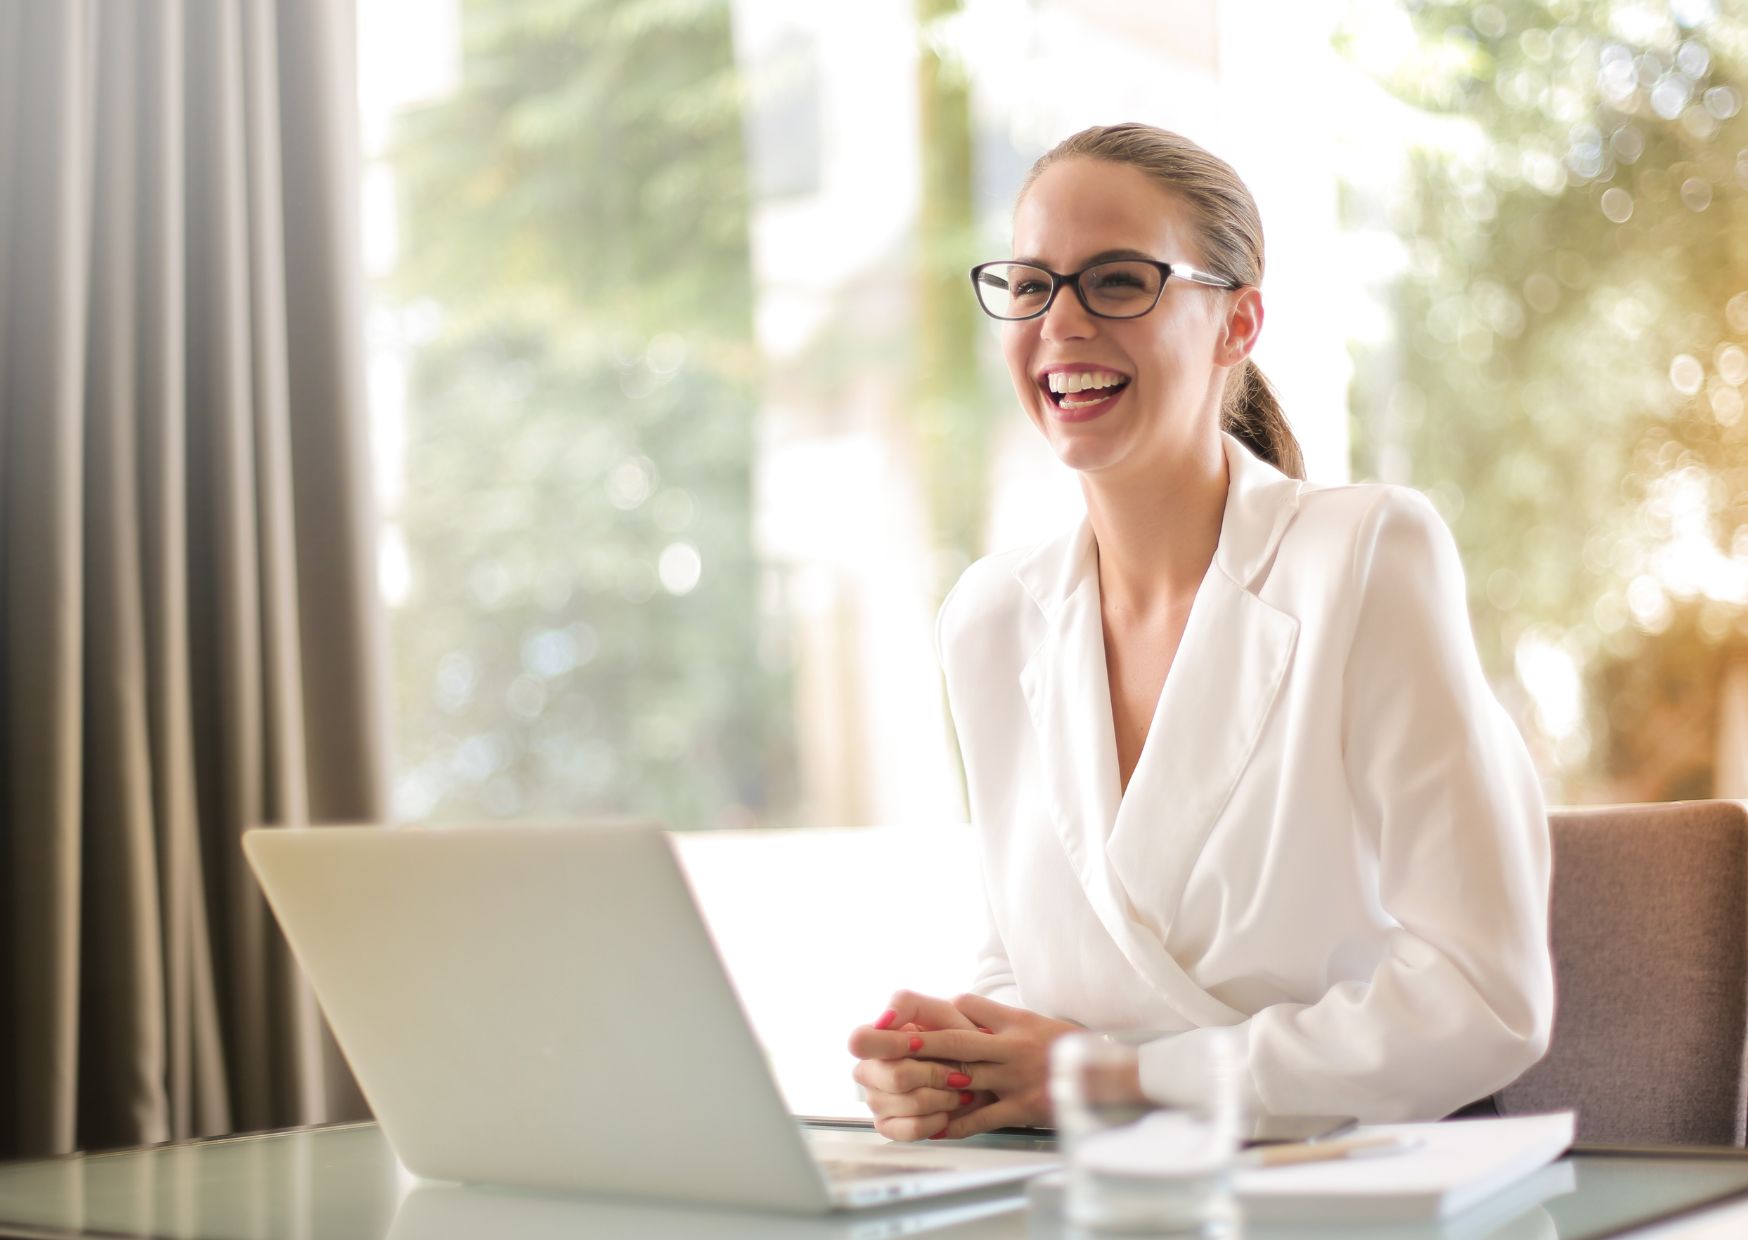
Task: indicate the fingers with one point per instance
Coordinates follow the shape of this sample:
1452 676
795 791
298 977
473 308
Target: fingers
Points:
998 1114
898 1125
986 1013
925 1011
963 1044
907 1014
916 1102
899 1076
913 1127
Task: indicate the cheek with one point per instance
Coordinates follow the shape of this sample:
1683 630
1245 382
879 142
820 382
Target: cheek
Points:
1016 351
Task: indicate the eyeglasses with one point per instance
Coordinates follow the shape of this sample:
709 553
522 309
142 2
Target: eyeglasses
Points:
1117 289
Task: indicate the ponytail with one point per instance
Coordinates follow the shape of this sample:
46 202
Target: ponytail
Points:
1253 415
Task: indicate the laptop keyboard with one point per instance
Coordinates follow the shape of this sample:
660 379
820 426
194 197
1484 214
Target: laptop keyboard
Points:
842 1169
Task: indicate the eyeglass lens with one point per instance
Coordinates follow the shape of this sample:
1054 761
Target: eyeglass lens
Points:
1117 290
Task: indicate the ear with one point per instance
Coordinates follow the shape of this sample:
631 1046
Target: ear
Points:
1241 327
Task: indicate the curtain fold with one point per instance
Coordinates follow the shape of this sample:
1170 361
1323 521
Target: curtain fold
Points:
42 594
120 1080
187 605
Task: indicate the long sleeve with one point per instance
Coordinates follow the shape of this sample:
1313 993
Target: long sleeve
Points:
994 978
1448 811
994 974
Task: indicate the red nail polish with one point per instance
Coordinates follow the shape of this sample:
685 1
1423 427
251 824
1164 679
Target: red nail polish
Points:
966 1098
916 1044
940 1134
957 1080
886 1019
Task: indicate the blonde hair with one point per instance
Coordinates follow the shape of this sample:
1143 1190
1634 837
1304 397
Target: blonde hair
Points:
1230 229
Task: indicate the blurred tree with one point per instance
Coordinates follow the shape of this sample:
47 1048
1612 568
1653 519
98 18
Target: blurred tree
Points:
1567 382
582 631
913 308
954 410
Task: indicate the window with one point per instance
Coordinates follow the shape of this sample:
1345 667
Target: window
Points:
1561 365
689 420
686 420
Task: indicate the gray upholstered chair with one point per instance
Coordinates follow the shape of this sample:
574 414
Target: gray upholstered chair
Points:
1650 938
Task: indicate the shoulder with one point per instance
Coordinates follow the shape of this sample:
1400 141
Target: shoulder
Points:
1364 546
1353 523
989 594
1356 505
999 610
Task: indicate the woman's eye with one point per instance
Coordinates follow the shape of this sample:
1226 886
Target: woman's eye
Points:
1028 288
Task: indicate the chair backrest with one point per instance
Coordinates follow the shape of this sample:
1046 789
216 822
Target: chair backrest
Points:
1650 942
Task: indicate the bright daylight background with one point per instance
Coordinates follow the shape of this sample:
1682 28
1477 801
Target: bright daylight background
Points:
686 419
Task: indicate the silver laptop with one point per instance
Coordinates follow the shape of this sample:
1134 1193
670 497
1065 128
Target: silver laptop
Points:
543 1006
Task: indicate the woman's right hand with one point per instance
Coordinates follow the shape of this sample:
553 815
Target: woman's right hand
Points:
912 1099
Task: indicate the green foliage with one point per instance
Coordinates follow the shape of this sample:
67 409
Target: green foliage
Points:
953 408
591 161
574 253
1571 322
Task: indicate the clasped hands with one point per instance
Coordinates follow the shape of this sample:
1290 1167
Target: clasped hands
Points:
938 1068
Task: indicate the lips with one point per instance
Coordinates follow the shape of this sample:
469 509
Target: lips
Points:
1081 391
1076 411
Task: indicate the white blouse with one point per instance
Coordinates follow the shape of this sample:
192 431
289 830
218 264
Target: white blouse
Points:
1333 839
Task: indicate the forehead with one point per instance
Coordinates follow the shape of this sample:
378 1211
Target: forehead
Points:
1081 207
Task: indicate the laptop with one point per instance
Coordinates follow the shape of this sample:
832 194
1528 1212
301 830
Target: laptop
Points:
542 1006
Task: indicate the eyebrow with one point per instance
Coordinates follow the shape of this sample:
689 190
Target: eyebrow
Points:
1103 256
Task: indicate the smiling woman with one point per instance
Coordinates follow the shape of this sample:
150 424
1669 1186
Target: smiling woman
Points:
1231 757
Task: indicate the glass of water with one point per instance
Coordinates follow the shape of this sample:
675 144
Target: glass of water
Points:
1139 1164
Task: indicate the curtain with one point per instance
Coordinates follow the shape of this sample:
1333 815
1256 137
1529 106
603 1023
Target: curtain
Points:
189 639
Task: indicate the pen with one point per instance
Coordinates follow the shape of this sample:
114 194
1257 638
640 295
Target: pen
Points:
1327 1151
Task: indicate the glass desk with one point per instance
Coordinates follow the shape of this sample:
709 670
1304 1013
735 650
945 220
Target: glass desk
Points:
343 1181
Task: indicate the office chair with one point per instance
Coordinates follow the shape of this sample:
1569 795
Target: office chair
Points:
1650 941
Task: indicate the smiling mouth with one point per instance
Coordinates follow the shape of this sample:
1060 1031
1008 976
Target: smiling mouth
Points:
1075 391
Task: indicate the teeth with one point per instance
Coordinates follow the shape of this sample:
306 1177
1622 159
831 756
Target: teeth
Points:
1062 381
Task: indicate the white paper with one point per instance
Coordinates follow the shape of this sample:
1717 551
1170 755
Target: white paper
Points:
1455 1165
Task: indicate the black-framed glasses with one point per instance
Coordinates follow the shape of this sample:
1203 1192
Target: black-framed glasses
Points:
1123 288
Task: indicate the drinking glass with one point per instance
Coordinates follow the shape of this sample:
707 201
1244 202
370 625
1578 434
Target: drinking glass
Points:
1142 1164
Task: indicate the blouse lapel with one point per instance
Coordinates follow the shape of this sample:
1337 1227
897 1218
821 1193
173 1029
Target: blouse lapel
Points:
1229 666
1069 699
1228 669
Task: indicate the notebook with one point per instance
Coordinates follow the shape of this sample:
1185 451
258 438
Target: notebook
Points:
543 1006
1448 1168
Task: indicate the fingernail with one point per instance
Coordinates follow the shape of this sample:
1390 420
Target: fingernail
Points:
984 1029
940 1134
916 1044
957 1080
966 1098
886 1019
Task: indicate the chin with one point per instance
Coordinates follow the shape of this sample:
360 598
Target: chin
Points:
1081 448
1083 457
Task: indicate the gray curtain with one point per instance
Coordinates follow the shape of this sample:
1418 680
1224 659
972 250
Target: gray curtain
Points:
189 639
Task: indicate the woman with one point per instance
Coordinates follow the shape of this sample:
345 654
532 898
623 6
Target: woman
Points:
1230 753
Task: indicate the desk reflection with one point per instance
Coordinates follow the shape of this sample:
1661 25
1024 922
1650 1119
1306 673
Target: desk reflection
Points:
432 1211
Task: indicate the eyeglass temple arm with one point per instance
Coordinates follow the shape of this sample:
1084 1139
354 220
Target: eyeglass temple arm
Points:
1184 271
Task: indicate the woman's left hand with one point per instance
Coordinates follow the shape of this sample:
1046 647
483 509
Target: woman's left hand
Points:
1008 1055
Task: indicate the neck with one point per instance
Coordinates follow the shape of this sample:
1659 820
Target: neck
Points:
1156 532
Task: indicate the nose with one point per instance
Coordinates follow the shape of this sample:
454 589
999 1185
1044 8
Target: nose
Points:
1067 319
